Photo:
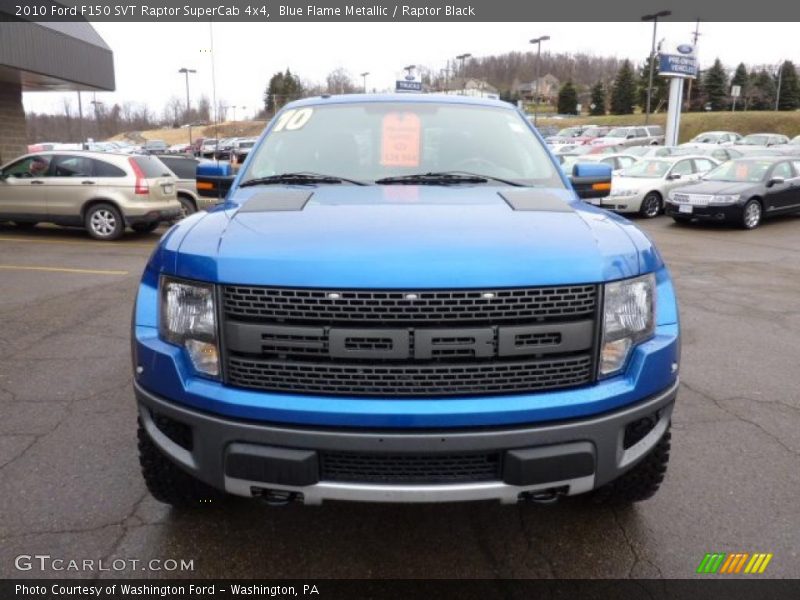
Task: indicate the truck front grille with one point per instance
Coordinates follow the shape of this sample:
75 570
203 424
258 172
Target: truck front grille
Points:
409 468
335 306
409 343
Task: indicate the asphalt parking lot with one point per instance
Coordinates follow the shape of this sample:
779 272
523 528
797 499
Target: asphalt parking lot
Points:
71 488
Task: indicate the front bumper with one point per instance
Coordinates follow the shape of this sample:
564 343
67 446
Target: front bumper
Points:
248 458
730 212
622 204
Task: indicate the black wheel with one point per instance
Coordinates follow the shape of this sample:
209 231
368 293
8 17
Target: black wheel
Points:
187 206
651 205
25 224
104 222
145 227
641 482
167 482
751 215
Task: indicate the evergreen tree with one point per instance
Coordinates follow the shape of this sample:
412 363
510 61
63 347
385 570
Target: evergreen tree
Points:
623 94
715 84
790 88
598 102
741 78
660 86
282 88
568 99
763 91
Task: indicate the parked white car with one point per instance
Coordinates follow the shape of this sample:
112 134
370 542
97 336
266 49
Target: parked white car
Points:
715 138
642 187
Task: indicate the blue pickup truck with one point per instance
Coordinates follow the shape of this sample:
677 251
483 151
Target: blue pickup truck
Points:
401 298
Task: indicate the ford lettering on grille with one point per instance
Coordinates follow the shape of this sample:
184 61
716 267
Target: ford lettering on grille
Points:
373 343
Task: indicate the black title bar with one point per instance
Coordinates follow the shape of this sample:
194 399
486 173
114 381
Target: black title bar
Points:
408 11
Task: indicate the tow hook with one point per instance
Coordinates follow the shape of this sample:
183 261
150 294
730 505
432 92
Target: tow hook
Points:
277 497
548 496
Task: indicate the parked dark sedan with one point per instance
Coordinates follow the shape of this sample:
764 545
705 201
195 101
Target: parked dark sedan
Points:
741 191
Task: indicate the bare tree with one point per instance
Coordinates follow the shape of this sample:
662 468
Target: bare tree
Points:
339 81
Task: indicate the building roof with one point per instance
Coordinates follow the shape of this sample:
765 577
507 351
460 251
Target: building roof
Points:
54 56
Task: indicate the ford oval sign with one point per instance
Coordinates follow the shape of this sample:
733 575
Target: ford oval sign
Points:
685 49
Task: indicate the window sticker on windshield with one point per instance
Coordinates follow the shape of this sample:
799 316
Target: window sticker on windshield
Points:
401 137
294 119
742 171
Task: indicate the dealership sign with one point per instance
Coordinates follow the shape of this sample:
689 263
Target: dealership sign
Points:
678 61
405 85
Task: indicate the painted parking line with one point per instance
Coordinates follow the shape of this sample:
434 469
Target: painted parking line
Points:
62 270
78 243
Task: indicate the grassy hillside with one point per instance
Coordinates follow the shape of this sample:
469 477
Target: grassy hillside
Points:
787 123
180 136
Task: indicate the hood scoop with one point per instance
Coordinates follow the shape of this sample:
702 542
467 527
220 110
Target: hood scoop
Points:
277 201
535 200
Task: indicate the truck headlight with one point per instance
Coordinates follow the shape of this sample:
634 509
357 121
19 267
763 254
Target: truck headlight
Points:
628 318
188 319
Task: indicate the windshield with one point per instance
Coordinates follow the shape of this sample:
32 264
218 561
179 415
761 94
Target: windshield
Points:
619 132
755 140
707 138
374 140
744 171
648 169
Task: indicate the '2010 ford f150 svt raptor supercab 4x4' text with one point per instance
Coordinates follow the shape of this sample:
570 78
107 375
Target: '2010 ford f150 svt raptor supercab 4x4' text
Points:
402 299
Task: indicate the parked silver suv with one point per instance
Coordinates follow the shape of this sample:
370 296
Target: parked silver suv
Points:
100 191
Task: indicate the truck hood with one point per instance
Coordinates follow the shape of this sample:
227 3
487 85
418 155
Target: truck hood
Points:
408 237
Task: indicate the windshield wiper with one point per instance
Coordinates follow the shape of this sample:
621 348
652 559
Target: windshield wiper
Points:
444 177
304 177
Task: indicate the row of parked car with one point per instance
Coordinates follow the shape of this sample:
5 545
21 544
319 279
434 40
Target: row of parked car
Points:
234 149
717 176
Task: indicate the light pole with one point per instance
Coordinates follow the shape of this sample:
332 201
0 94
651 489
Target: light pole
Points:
96 103
364 77
654 18
778 91
186 72
462 58
538 41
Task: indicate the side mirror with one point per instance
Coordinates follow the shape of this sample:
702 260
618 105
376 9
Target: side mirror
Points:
213 180
775 181
674 176
591 180
630 136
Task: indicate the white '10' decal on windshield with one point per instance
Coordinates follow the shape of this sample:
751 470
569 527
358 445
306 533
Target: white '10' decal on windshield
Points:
293 119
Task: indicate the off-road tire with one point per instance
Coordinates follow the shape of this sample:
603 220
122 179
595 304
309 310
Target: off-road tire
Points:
167 482
641 482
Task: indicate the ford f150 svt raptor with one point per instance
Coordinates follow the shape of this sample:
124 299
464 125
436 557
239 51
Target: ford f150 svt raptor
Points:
402 299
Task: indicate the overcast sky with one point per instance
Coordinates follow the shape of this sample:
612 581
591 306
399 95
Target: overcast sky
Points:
147 56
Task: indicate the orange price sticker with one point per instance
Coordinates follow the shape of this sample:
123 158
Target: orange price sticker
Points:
401 143
742 171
